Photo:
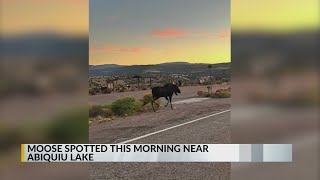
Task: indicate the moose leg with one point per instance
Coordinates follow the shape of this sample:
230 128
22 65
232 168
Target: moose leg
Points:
170 98
152 106
153 101
167 102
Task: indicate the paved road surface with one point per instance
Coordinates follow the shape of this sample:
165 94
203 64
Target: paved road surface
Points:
278 125
213 129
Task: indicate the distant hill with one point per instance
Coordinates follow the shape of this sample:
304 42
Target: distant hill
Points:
221 70
46 47
281 51
105 66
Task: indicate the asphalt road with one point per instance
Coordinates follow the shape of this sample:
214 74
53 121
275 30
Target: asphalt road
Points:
278 125
202 129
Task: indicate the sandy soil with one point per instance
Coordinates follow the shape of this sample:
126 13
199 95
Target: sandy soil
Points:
215 130
124 127
186 92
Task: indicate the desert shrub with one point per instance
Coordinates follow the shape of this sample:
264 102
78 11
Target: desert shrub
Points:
146 103
147 98
100 110
219 90
157 104
206 94
225 94
222 94
200 93
148 107
139 106
95 110
214 95
106 106
125 106
92 92
106 91
107 112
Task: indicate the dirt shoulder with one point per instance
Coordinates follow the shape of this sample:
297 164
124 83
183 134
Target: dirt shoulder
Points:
186 92
123 128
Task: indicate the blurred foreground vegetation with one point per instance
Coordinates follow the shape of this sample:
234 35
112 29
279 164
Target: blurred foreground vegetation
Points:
68 127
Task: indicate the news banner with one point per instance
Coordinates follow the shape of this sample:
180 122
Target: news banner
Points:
156 152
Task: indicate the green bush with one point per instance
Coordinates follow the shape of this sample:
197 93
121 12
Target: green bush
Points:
95 110
125 106
147 98
92 92
106 106
106 91
209 82
148 107
200 93
139 106
143 87
222 94
214 95
121 90
107 112
225 94
100 110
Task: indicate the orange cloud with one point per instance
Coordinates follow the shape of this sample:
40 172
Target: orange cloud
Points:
119 49
175 33
224 34
169 33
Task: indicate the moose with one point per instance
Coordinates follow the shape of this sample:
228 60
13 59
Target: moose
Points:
165 91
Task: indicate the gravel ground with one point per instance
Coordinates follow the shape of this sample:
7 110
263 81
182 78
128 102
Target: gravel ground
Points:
186 92
212 130
123 128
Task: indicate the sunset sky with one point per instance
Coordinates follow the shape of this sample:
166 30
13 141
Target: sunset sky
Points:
155 31
151 32
69 17
276 16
